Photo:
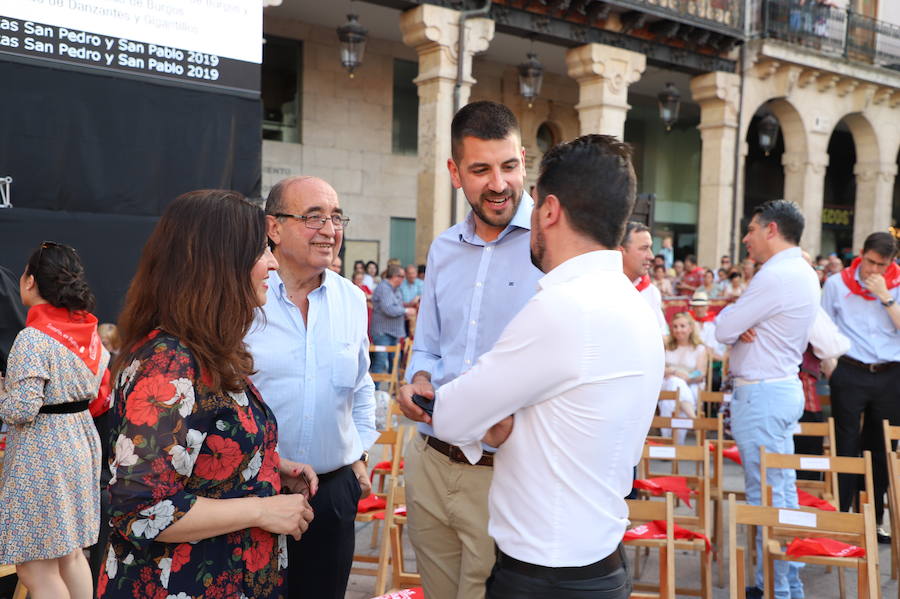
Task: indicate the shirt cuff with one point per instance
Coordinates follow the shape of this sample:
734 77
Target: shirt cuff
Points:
472 451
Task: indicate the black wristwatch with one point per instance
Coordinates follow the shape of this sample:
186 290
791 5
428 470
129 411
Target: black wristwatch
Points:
364 458
888 303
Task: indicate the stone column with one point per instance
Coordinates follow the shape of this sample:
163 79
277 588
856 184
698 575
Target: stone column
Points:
434 32
603 74
804 183
718 95
874 199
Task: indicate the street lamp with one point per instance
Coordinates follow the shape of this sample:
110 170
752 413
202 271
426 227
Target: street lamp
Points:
353 43
768 133
531 76
669 100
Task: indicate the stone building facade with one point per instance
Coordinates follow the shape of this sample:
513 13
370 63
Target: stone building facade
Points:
346 123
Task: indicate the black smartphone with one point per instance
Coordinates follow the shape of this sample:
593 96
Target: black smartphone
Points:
423 402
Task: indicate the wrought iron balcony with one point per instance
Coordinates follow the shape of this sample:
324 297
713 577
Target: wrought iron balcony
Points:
833 31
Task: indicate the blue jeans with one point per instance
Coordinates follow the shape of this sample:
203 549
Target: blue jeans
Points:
380 361
766 414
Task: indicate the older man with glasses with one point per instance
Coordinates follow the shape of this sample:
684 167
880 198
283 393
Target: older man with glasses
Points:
310 348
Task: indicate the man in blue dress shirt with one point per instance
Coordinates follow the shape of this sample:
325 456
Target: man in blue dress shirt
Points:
863 302
311 351
479 276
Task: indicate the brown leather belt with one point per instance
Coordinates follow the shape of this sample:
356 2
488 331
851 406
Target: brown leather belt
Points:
455 453
872 368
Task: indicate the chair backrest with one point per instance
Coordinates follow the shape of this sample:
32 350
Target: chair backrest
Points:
891 434
405 357
643 512
697 455
825 430
391 377
817 463
669 395
392 442
806 522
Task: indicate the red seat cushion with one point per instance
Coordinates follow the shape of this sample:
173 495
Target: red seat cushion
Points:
662 484
371 503
400 511
657 530
807 500
826 547
414 593
386 465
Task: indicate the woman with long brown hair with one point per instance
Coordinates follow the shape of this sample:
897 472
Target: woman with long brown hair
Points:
195 506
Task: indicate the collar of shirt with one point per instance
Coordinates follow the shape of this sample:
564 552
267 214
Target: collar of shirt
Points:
277 283
577 266
520 220
791 252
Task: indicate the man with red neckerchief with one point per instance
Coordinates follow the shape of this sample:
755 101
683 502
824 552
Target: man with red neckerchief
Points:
637 256
863 302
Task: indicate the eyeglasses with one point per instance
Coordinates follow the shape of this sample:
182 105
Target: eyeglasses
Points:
45 245
317 222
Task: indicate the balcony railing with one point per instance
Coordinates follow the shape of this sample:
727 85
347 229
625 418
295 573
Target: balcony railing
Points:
724 13
833 31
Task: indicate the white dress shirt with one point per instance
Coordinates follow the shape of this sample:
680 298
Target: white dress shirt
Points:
652 296
780 305
580 367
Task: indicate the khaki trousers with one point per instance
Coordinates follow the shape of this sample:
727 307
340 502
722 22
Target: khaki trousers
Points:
447 507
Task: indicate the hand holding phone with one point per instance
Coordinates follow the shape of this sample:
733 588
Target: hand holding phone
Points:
423 402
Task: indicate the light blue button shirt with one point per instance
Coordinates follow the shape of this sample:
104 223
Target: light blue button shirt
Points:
472 291
780 304
315 375
410 291
873 336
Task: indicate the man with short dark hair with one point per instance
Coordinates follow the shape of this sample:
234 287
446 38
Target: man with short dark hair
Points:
637 252
768 328
558 377
693 276
479 276
864 302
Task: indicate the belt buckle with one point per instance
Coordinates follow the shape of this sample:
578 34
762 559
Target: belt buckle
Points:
456 454
873 368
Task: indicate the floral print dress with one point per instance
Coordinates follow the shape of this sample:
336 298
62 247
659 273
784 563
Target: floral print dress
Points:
175 440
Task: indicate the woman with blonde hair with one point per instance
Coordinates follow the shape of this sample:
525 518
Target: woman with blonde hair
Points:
686 360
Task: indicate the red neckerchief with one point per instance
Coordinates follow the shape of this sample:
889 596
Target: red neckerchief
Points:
708 318
78 333
848 275
642 283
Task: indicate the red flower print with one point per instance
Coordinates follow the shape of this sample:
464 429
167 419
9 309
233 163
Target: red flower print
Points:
247 420
147 587
261 550
269 470
181 556
227 585
102 581
146 399
223 458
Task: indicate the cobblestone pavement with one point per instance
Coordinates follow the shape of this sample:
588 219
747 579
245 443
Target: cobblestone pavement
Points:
818 583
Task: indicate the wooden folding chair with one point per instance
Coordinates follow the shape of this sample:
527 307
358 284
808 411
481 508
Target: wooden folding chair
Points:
405 357
858 529
401 578
643 512
392 377
831 466
698 519
824 430
393 440
21 592
891 436
384 466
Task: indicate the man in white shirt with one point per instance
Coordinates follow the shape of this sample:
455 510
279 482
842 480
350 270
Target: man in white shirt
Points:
568 391
637 256
768 328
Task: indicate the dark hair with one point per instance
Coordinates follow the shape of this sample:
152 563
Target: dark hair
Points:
593 178
373 263
691 258
785 214
882 243
632 227
421 269
193 282
484 120
734 275
393 270
59 276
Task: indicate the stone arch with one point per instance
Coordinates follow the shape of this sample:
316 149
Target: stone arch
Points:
793 130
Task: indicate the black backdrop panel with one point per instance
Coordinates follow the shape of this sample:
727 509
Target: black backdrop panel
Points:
91 143
109 245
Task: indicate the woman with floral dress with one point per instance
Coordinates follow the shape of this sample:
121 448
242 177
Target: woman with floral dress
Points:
196 497
50 483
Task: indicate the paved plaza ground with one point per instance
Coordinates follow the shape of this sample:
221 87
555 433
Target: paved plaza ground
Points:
818 583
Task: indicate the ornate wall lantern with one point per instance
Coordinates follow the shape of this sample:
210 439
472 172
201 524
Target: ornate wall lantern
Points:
531 76
669 100
768 129
353 43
